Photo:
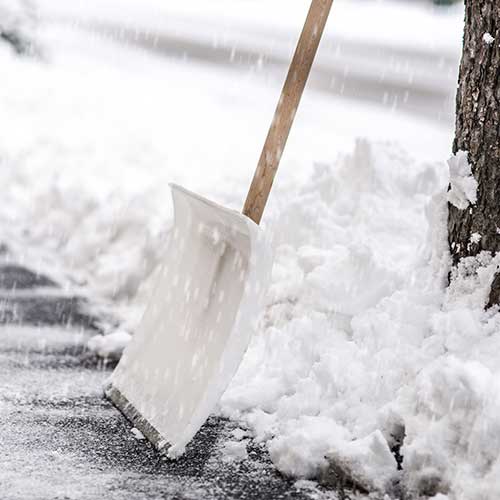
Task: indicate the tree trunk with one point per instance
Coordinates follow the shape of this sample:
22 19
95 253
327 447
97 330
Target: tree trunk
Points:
478 133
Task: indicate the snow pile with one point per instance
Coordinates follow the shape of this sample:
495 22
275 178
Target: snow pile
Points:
463 186
88 196
454 434
338 330
453 406
361 343
367 462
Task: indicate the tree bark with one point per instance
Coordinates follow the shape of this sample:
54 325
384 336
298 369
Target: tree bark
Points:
478 133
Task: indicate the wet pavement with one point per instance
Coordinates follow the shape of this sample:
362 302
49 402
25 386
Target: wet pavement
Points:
60 439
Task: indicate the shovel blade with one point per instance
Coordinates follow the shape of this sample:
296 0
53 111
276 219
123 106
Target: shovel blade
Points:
197 325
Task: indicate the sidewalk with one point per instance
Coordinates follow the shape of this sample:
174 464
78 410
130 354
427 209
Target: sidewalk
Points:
60 439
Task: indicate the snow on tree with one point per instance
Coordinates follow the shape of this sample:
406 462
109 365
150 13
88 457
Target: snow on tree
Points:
474 216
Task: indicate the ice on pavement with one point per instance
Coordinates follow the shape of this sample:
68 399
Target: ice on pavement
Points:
359 338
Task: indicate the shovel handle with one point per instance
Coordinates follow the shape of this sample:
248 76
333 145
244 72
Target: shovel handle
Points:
286 109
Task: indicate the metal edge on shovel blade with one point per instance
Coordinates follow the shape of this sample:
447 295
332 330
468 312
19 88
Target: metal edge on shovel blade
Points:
135 418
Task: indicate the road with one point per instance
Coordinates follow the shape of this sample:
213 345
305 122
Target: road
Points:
412 81
410 76
60 439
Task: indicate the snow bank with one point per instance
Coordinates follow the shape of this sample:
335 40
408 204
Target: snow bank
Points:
343 318
88 153
361 343
454 433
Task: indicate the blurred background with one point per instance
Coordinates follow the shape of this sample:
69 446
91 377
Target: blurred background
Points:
398 55
104 102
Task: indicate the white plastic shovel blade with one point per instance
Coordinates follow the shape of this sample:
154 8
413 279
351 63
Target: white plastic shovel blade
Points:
198 323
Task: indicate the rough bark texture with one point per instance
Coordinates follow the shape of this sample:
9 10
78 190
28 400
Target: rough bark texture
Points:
478 130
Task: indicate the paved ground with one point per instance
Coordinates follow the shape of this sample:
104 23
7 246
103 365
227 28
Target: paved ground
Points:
60 439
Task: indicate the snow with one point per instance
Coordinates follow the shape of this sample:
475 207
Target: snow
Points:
463 185
137 434
18 26
235 450
423 27
305 484
100 206
368 462
238 434
60 439
475 238
456 437
488 39
13 15
360 341
339 327
322 379
109 346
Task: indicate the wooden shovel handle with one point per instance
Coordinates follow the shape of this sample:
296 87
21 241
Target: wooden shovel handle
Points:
286 109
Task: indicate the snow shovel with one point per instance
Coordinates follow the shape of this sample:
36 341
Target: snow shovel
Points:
209 290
